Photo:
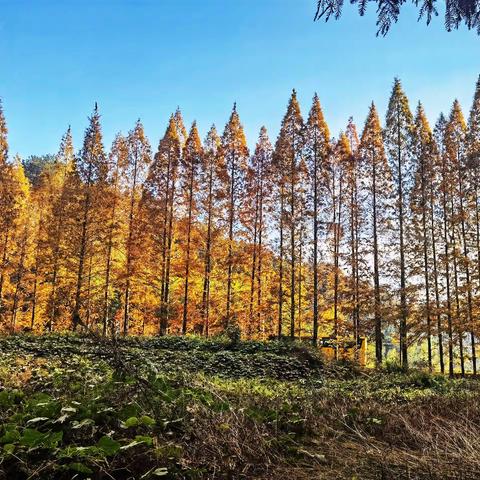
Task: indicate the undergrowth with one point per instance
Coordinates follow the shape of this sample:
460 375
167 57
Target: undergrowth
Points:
187 408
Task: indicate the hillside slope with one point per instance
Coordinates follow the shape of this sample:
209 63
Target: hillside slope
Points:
185 408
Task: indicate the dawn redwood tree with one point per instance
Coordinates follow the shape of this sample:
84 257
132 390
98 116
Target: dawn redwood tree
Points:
473 199
118 159
398 138
13 191
192 162
6 215
22 239
138 159
317 151
376 203
341 160
424 156
90 167
444 192
54 198
289 151
211 181
235 153
258 189
158 199
354 218
278 213
455 151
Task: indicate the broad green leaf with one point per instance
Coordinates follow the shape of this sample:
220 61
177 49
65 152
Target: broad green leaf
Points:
146 420
108 445
11 434
79 467
9 448
6 398
32 438
131 422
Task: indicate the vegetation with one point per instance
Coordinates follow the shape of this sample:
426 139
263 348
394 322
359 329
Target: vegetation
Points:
181 407
373 235
457 12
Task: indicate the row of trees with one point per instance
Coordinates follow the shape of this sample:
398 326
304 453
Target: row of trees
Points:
375 235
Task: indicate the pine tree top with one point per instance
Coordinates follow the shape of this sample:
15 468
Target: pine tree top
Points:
373 127
3 136
263 143
92 162
474 125
212 140
421 121
398 111
234 135
343 146
66 151
456 116
316 119
179 123
352 135
193 145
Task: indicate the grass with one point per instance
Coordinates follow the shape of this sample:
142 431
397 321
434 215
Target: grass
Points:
187 408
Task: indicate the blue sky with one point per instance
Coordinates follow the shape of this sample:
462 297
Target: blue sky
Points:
142 58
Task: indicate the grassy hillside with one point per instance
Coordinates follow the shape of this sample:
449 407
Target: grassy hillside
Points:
180 408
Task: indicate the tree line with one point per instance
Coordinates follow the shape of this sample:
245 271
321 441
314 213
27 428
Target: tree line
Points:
373 234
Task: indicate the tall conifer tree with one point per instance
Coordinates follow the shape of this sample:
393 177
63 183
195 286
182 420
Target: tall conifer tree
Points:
398 137
376 192
139 157
317 149
91 167
288 150
235 152
192 161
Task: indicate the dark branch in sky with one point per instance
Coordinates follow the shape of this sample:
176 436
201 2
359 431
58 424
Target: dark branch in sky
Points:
457 12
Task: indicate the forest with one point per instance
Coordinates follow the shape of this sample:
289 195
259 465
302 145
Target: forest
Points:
374 233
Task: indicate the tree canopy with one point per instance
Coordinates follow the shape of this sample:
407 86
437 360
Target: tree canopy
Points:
457 12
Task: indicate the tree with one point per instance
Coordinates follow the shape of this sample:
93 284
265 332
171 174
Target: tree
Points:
457 12
317 149
398 137
473 200
192 162
13 192
118 160
235 153
445 193
213 172
424 153
341 163
55 190
455 150
158 199
259 187
23 239
90 168
354 219
139 156
288 151
375 196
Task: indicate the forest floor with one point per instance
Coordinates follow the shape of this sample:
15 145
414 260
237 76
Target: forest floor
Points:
186 408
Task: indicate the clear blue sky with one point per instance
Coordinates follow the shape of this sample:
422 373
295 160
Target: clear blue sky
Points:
142 58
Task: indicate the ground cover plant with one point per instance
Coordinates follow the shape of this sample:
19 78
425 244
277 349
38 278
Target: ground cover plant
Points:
187 408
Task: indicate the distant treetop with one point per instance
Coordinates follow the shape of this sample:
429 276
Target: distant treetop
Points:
457 12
